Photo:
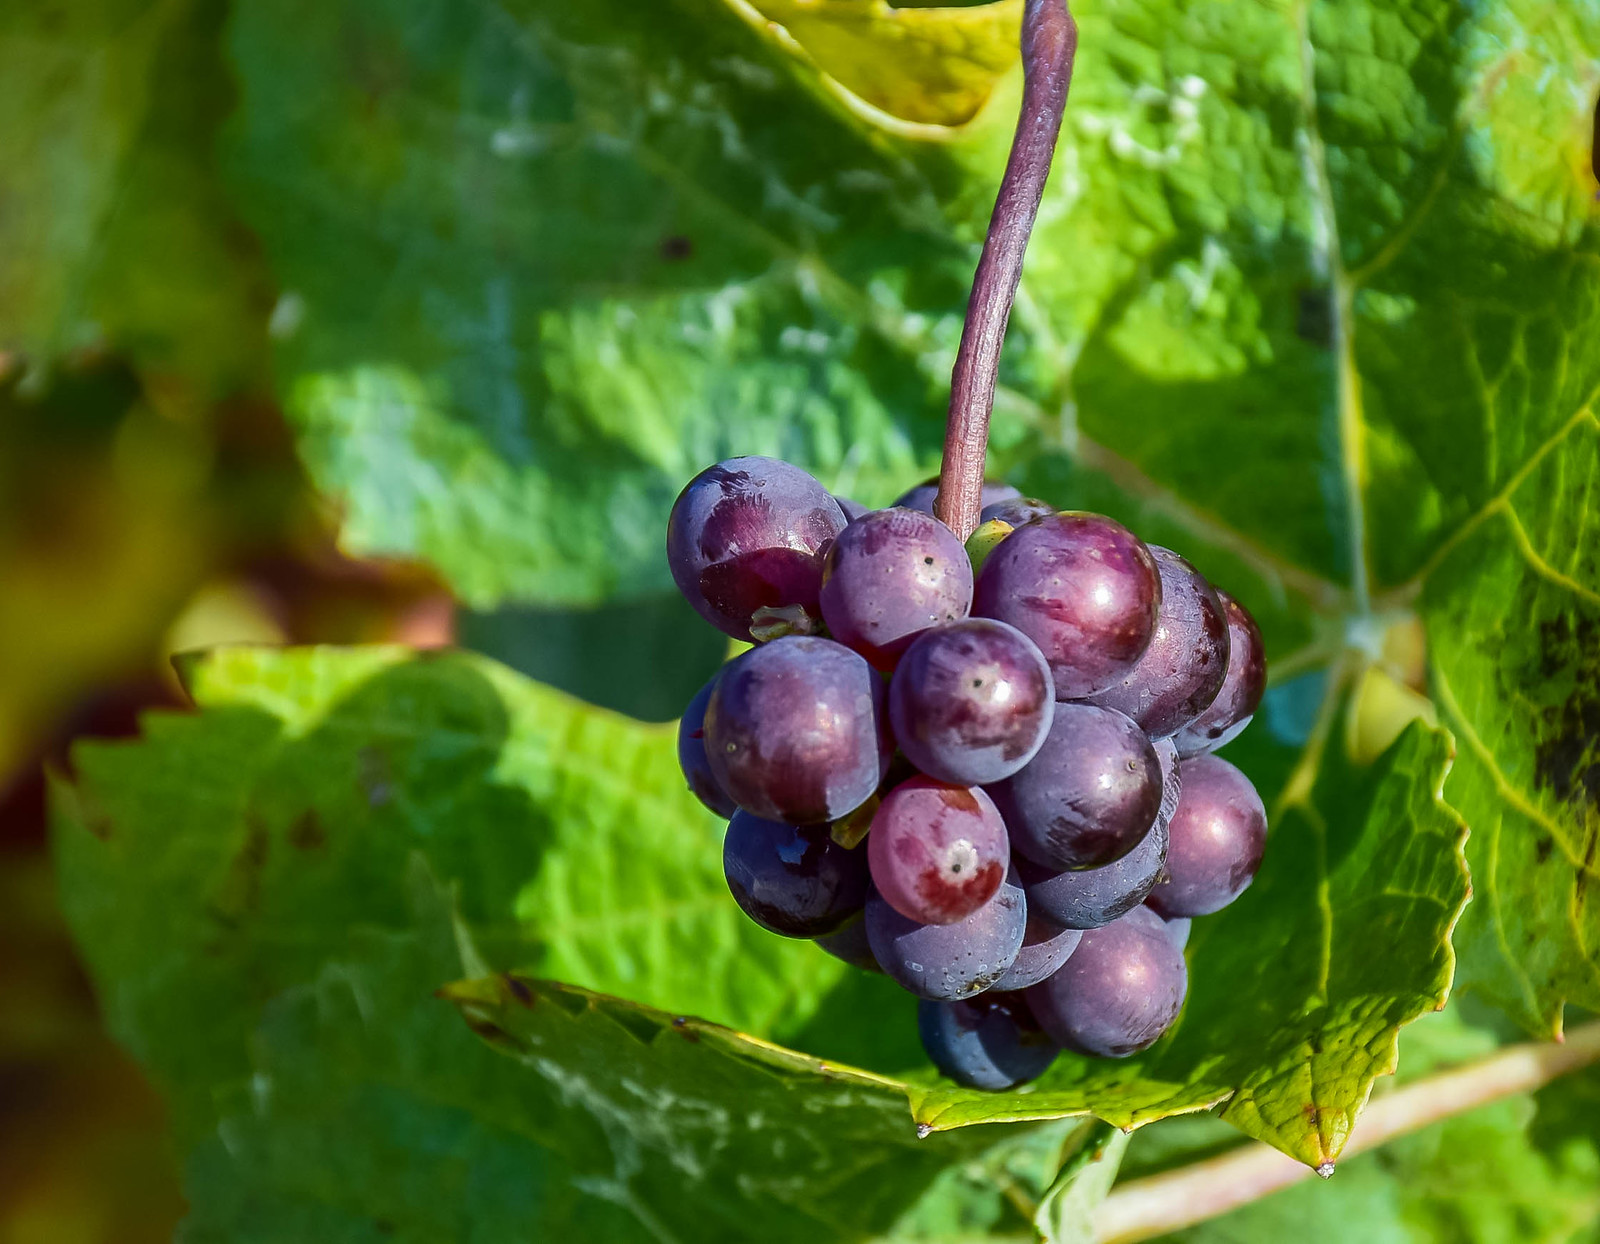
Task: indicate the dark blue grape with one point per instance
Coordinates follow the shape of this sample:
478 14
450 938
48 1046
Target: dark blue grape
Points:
692 755
852 509
1084 588
923 495
796 730
1121 989
949 961
1218 835
746 540
848 943
890 576
1087 898
1045 947
1241 690
1178 929
971 702
1171 779
937 852
1015 511
1089 795
792 879
1182 670
989 1042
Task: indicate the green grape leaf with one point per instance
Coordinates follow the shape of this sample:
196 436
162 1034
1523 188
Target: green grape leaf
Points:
117 234
1313 297
215 871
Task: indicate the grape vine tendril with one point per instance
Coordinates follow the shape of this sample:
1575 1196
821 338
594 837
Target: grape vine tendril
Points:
1049 44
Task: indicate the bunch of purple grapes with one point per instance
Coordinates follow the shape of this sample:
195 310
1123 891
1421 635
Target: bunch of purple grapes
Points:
984 770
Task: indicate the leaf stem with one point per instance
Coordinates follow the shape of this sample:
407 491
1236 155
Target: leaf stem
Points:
1145 1208
1049 43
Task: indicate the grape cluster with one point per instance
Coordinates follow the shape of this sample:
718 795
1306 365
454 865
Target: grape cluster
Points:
985 770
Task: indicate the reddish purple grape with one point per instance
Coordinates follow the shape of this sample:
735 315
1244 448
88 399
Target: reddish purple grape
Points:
1182 670
922 496
1089 795
949 961
1045 947
852 509
692 755
1084 588
937 852
1241 690
1218 835
971 702
796 730
792 879
888 577
848 943
1086 898
1016 510
1121 989
749 534
990 1042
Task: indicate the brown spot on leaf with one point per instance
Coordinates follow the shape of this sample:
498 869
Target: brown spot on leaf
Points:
308 833
680 1025
518 989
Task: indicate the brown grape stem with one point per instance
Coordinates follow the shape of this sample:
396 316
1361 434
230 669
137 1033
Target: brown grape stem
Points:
1049 43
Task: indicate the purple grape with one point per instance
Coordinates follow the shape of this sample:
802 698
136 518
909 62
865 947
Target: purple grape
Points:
1121 989
852 509
1089 796
971 702
1045 947
1241 690
1016 511
1087 898
1171 779
890 576
937 852
692 755
949 961
792 879
749 534
1083 588
796 730
989 1042
1218 835
848 943
922 496
1182 670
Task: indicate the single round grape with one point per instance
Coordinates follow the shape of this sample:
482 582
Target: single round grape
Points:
1084 588
848 943
1045 947
1089 795
971 702
937 852
852 509
1178 930
1182 670
890 576
1086 898
1218 835
1241 690
1121 989
1015 511
949 961
796 730
792 879
749 534
923 495
989 1042
692 755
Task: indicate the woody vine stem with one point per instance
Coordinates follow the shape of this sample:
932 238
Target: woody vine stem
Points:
1049 44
